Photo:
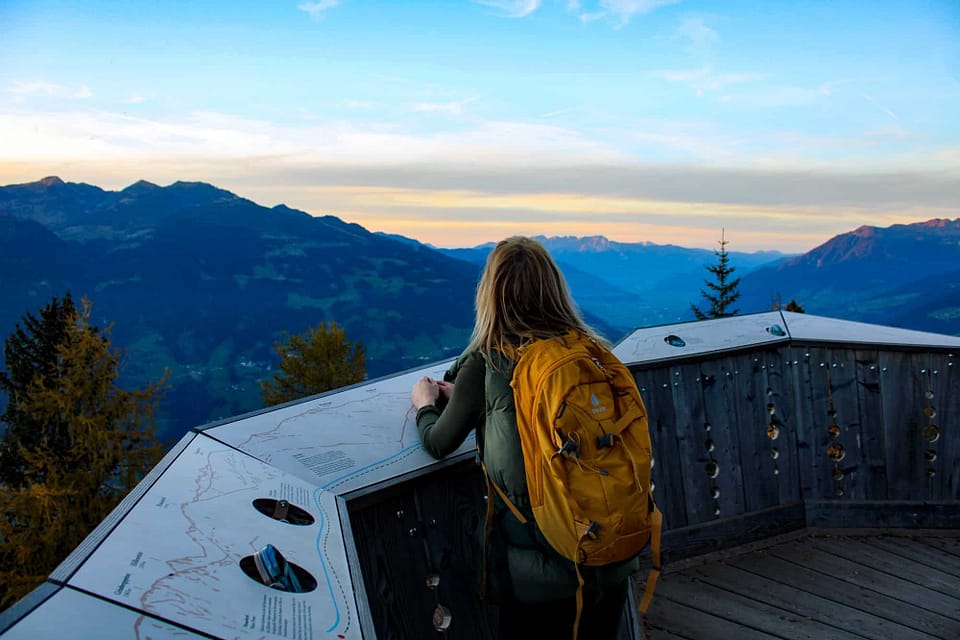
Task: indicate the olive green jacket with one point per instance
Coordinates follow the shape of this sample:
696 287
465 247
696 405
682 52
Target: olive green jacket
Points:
483 400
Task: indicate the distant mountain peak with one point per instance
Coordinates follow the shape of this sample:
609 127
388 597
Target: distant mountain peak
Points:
142 184
940 223
50 181
586 244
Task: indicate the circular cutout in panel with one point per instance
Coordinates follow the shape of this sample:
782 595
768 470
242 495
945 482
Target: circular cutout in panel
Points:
774 453
835 452
674 341
773 431
928 395
269 568
442 618
930 455
930 412
834 429
283 511
839 491
709 445
838 474
931 433
832 414
931 472
713 469
771 409
714 492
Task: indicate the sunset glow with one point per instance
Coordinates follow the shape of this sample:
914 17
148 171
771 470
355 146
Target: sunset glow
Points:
459 123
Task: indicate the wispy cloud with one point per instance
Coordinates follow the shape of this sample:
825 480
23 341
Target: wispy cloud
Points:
455 108
134 98
876 102
704 79
512 8
359 105
317 8
619 12
694 31
40 87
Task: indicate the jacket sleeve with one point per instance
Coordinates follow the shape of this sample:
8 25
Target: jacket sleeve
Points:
443 430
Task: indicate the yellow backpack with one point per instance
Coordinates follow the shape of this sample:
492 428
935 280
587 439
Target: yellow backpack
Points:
587 454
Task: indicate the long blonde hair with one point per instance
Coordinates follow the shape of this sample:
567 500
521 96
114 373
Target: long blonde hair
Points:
522 296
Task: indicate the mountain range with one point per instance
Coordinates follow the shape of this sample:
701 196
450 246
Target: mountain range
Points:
199 281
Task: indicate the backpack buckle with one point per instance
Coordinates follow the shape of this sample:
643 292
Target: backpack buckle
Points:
604 441
592 530
570 446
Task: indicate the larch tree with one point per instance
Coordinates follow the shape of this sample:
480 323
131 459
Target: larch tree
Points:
722 291
94 442
318 360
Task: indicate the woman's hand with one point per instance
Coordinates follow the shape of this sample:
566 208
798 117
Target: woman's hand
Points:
426 392
446 390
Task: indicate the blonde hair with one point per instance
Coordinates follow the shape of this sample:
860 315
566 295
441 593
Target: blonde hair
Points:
522 296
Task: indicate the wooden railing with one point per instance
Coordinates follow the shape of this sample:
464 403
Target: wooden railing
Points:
748 444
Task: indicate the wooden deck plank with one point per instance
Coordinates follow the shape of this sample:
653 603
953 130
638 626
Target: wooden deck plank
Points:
915 551
748 611
887 562
677 618
806 604
805 555
852 595
949 545
662 634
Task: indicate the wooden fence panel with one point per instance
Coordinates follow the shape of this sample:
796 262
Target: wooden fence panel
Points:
871 424
803 418
780 393
846 465
944 392
667 469
421 528
816 387
721 444
902 414
687 385
755 414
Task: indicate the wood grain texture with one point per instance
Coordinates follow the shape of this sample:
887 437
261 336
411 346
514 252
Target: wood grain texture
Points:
668 471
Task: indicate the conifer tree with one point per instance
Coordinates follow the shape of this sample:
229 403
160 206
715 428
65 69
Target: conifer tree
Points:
101 445
31 352
722 291
312 362
794 306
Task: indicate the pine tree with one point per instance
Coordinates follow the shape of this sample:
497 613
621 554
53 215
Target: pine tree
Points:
74 478
313 362
794 306
31 353
722 291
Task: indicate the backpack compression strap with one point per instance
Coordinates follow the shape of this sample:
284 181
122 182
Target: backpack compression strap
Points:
656 522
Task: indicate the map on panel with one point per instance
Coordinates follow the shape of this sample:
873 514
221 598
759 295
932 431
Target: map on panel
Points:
180 553
341 441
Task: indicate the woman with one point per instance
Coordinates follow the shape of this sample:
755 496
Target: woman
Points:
522 297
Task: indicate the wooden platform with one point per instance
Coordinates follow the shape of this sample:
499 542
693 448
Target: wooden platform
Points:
815 587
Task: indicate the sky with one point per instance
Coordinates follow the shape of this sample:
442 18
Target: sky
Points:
458 122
